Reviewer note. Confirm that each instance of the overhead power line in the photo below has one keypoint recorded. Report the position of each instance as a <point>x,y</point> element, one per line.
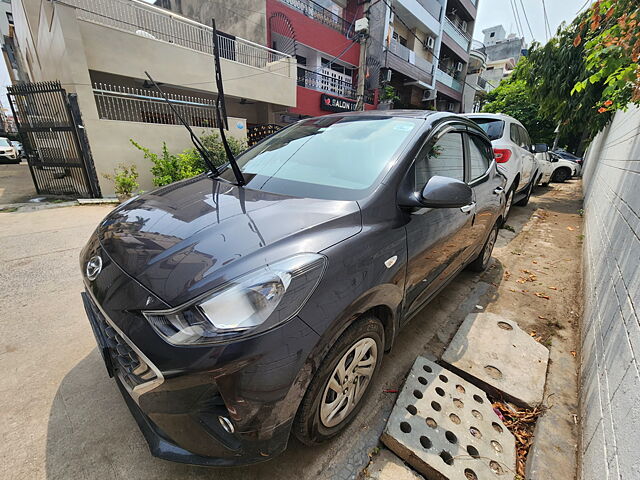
<point>546,21</point>
<point>516,17</point>
<point>524,11</point>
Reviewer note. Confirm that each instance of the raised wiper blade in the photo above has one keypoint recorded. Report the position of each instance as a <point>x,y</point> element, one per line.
<point>221,109</point>
<point>194,139</point>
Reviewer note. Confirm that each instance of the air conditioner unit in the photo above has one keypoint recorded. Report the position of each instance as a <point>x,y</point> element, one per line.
<point>429,95</point>
<point>429,43</point>
<point>459,66</point>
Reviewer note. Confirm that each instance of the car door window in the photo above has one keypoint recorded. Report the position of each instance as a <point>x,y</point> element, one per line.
<point>445,158</point>
<point>479,157</point>
<point>515,134</point>
<point>524,138</point>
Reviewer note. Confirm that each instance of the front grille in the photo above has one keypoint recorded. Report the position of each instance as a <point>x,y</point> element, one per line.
<point>132,369</point>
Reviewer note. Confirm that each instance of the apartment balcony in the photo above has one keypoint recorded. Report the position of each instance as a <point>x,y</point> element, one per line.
<point>421,14</point>
<point>320,14</point>
<point>127,37</point>
<point>460,37</point>
<point>452,87</point>
<point>405,61</point>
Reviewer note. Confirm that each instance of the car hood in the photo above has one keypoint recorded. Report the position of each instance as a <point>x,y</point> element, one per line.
<point>184,239</point>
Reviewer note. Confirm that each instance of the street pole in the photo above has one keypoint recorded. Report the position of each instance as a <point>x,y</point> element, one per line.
<point>362,67</point>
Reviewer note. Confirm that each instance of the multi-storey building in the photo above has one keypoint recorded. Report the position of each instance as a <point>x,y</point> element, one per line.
<point>427,45</point>
<point>318,34</point>
<point>101,50</point>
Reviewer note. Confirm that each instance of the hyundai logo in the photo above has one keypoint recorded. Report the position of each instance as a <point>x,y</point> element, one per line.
<point>94,267</point>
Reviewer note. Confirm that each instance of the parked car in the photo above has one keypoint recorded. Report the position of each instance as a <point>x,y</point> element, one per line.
<point>231,316</point>
<point>19,149</point>
<point>568,156</point>
<point>554,168</point>
<point>7,152</point>
<point>563,155</point>
<point>514,154</point>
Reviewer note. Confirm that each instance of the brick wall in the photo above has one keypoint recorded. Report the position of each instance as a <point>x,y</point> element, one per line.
<point>610,373</point>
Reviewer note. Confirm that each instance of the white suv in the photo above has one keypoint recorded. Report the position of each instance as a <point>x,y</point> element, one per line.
<point>514,154</point>
<point>554,168</point>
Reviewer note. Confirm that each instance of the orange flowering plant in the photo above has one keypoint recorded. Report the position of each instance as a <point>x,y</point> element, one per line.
<point>612,52</point>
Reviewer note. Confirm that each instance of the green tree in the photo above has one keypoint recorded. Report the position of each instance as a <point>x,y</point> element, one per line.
<point>513,97</point>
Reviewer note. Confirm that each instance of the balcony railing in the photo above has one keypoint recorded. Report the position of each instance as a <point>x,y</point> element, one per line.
<point>410,56</point>
<point>460,37</point>
<point>147,21</point>
<point>433,7</point>
<point>325,83</point>
<point>448,80</point>
<point>128,104</point>
<point>313,10</point>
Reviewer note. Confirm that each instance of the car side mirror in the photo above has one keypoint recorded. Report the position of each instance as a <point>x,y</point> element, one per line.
<point>540,148</point>
<point>442,192</point>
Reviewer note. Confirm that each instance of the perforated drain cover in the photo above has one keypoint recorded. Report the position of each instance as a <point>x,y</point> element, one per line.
<point>445,428</point>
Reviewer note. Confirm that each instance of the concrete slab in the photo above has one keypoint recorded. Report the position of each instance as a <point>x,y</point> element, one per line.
<point>445,428</point>
<point>494,350</point>
<point>386,466</point>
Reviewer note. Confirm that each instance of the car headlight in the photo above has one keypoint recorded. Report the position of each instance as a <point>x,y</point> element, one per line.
<point>246,306</point>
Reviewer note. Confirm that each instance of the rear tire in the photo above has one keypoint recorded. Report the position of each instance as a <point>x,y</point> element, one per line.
<point>314,422</point>
<point>561,175</point>
<point>481,262</point>
<point>525,200</point>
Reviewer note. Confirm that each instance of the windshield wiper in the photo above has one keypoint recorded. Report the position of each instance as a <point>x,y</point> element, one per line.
<point>221,109</point>
<point>194,139</point>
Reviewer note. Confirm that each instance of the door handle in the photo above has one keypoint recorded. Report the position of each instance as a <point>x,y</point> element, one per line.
<point>498,190</point>
<point>468,208</point>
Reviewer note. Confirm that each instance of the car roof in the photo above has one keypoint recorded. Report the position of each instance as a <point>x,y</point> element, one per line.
<point>496,116</point>
<point>387,113</point>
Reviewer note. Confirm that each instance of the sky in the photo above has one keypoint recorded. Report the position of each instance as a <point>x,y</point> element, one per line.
<point>500,12</point>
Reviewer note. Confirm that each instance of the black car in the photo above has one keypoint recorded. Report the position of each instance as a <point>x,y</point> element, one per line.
<point>231,316</point>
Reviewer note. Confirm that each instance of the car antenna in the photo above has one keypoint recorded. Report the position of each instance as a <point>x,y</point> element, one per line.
<point>221,109</point>
<point>194,139</point>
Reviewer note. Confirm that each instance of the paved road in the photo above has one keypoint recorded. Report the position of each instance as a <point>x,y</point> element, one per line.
<point>63,418</point>
<point>16,185</point>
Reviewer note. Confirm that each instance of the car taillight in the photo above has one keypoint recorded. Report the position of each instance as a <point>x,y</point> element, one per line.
<point>502,154</point>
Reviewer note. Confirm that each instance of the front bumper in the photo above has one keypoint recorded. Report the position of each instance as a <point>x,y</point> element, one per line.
<point>178,394</point>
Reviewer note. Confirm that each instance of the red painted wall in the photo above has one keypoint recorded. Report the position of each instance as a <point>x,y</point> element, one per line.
<point>315,34</point>
<point>321,37</point>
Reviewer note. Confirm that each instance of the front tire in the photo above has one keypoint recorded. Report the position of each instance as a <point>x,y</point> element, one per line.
<point>481,262</point>
<point>336,393</point>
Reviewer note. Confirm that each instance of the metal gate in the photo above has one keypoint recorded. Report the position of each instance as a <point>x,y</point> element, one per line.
<point>51,130</point>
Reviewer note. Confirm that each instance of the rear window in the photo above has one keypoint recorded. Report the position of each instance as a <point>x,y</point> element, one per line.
<point>493,128</point>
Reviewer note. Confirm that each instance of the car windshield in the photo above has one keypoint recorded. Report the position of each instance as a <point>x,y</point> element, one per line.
<point>492,127</point>
<point>336,157</point>
<point>4,142</point>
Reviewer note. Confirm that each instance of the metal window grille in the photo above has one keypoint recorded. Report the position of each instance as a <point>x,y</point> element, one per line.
<point>319,13</point>
<point>129,104</point>
<point>325,83</point>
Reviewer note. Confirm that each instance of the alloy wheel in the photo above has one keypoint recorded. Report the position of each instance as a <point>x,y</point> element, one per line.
<point>348,382</point>
<point>507,207</point>
<point>488,249</point>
